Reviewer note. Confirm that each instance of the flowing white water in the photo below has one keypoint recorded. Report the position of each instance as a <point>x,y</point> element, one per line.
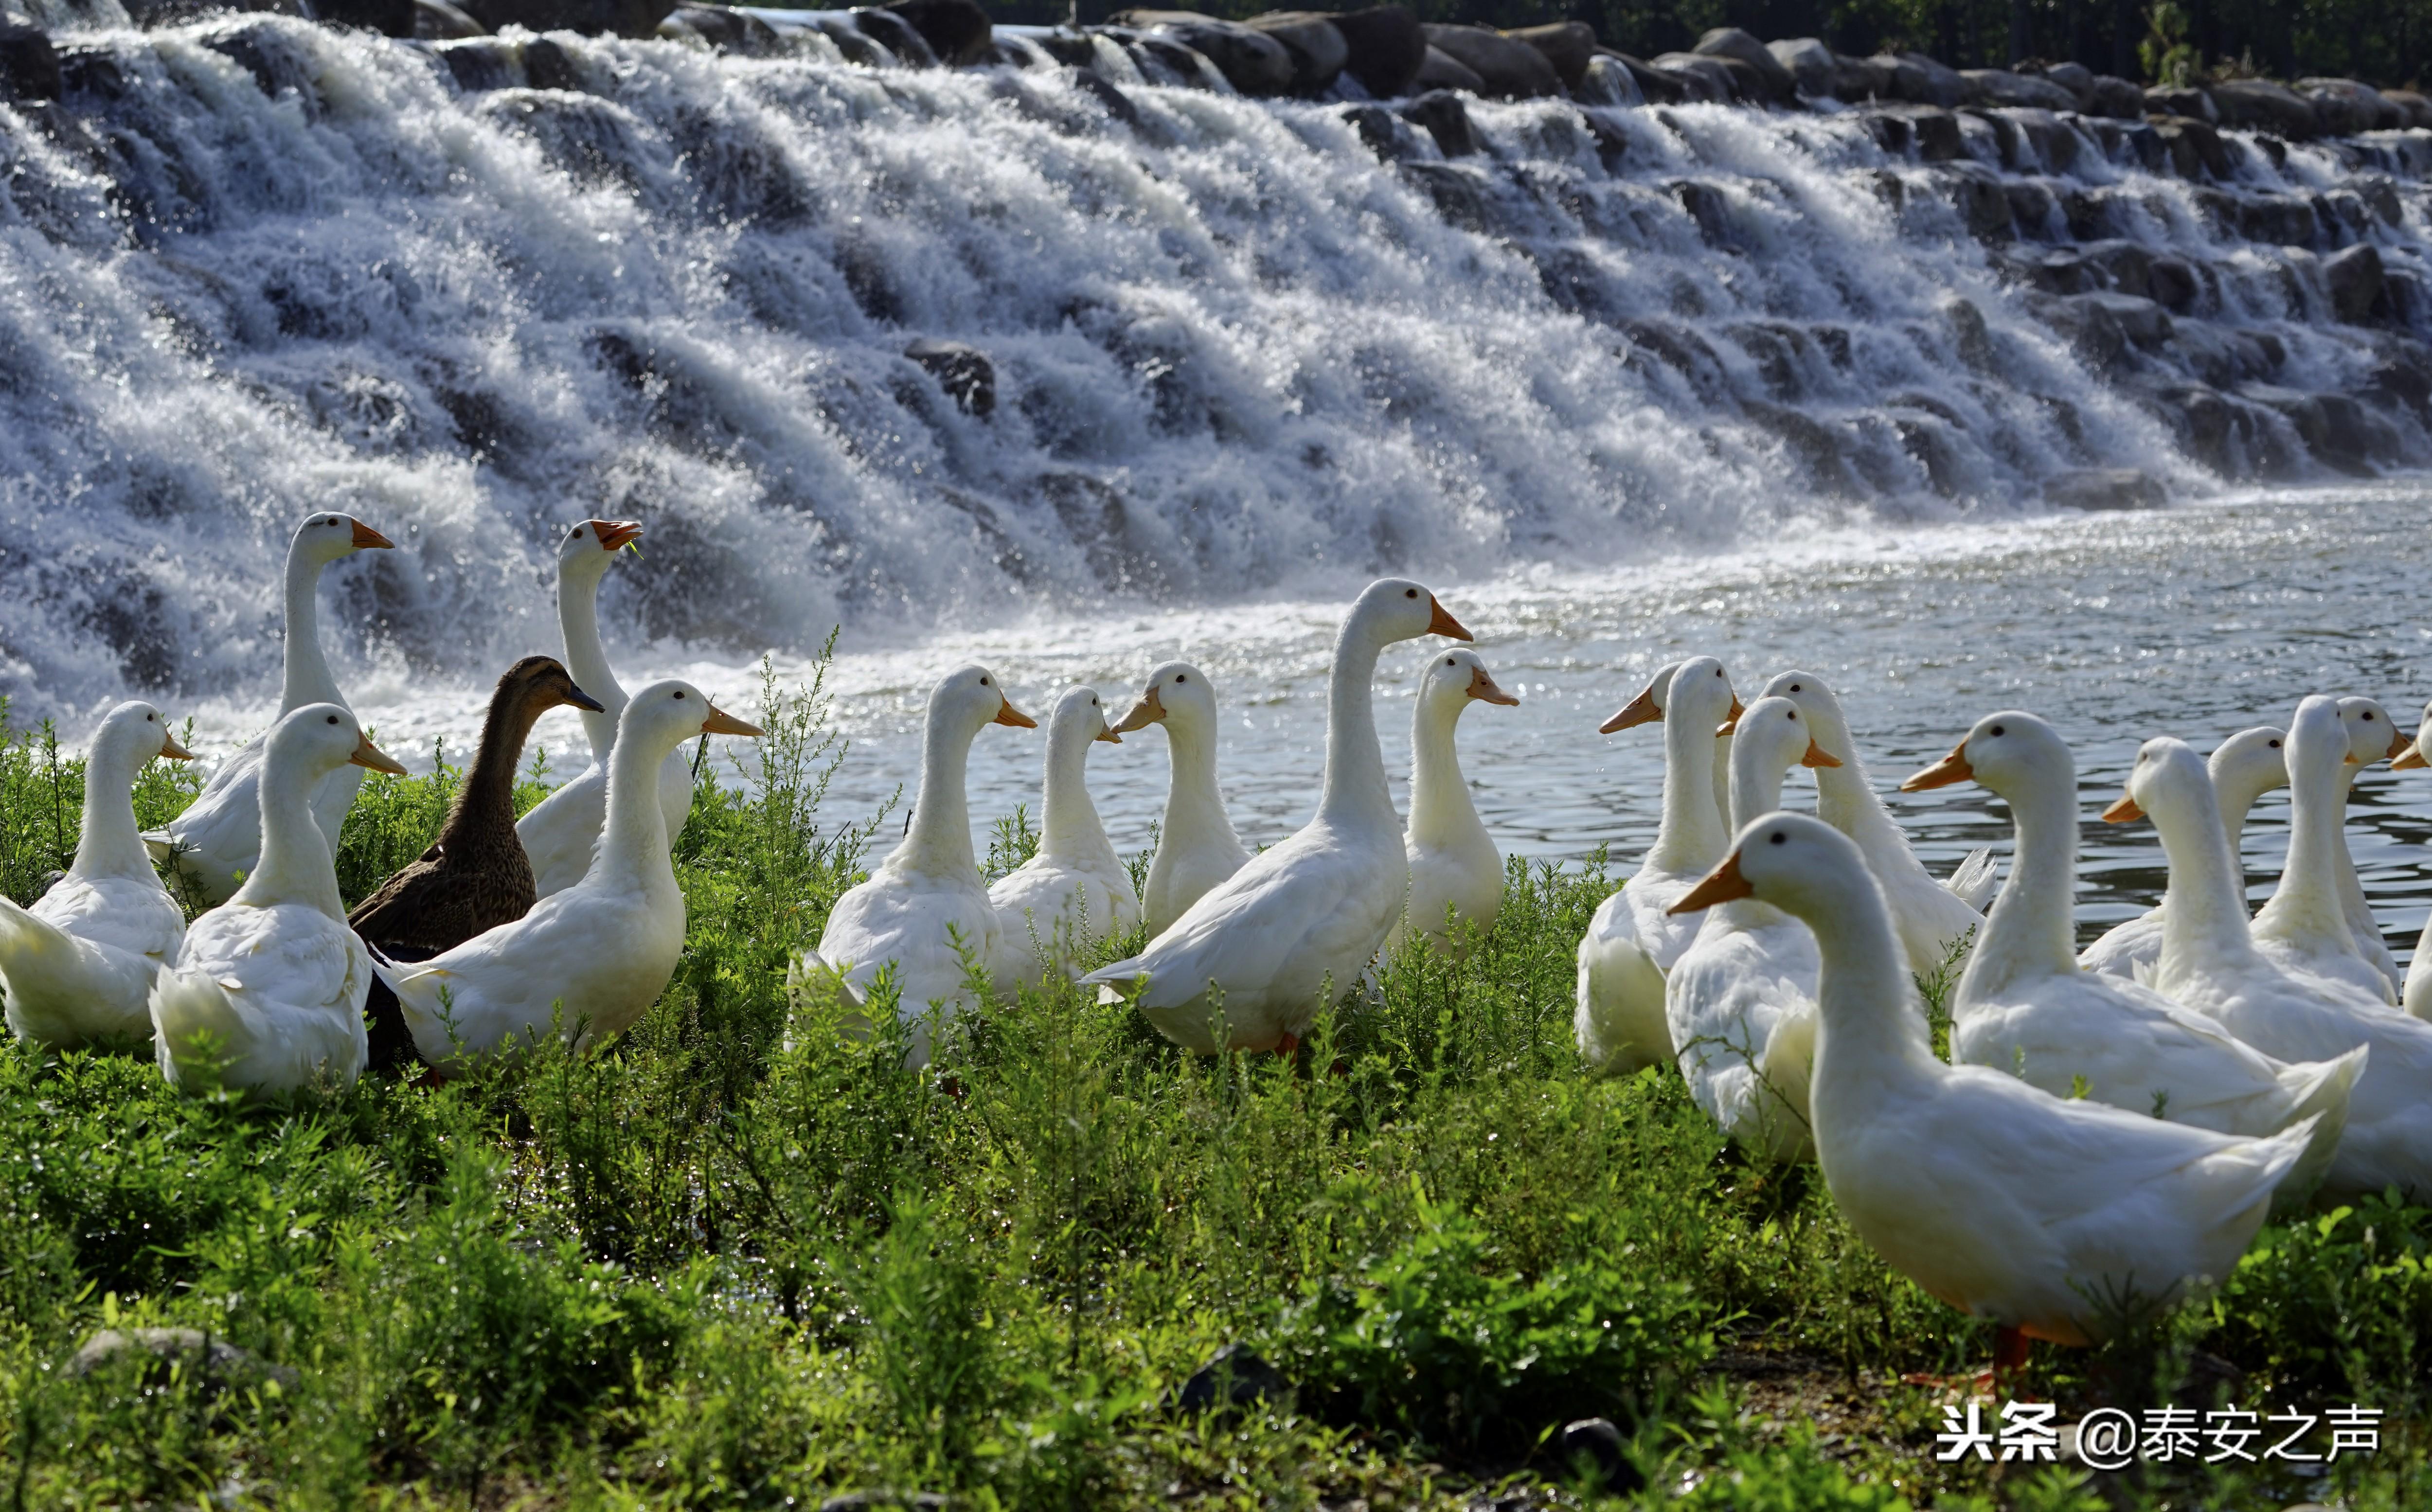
<point>252,267</point>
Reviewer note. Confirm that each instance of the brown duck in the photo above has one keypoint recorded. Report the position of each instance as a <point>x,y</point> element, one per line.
<point>474,876</point>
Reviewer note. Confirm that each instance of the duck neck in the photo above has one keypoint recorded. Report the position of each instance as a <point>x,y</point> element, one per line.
<point>1069,829</point>
<point>1193,804</point>
<point>107,842</point>
<point>1869,1026</point>
<point>2029,933</point>
<point>307,677</point>
<point>1691,837</point>
<point>586,657</point>
<point>2204,928</point>
<point>1756,785</point>
<point>1847,801</point>
<point>633,848</point>
<point>1355,791</point>
<point>939,841</point>
<point>2307,899</point>
<point>484,810</point>
<point>295,866</point>
<point>1442,813</point>
<point>2237,802</point>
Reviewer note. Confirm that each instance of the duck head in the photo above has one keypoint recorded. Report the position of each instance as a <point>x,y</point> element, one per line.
<point>588,547</point>
<point>132,734</point>
<point>1798,864</point>
<point>1455,678</point>
<point>1775,737</point>
<point>540,683</point>
<point>321,737</point>
<point>329,535</point>
<point>670,712</point>
<point>2168,778</point>
<point>970,698</point>
<point>2250,763</point>
<point>2414,755</point>
<point>1672,682</point>
<point>1178,696</point>
<point>2373,735</point>
<point>1397,609</point>
<point>1078,720</point>
<point>1817,701</point>
<point>2005,753</point>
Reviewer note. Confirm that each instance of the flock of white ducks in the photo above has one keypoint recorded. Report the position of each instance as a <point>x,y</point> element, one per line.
<point>2117,1125</point>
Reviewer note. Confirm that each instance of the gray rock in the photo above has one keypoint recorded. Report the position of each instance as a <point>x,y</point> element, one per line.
<point>1568,46</point>
<point>2347,107</point>
<point>1444,118</point>
<point>1251,62</point>
<point>1997,86</point>
<point>2194,104</point>
<point>1232,1379</point>
<point>1596,1442</point>
<point>1861,78</point>
<point>1439,70</point>
<point>2195,149</point>
<point>1507,69</point>
<point>727,30</point>
<point>1318,49</point>
<point>2259,105</point>
<point>1926,81</point>
<point>1383,47</point>
<point>2114,98</point>
<point>1655,86</point>
<point>2416,108</point>
<point>2172,283</point>
<point>438,20</point>
<point>216,1357</point>
<point>963,371</point>
<point>1702,78</point>
<point>1609,81</point>
<point>897,35</point>
<point>29,66</point>
<point>591,18</point>
<point>2075,77</point>
<point>1978,194</point>
<point>1813,69</point>
<point>2105,488</point>
<point>1739,47</point>
<point>2354,280</point>
<point>958,32</point>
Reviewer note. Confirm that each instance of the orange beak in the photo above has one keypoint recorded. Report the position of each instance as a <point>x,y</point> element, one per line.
<point>367,754</point>
<point>1737,709</point>
<point>2124,812</point>
<point>1486,689</point>
<point>2409,759</point>
<point>614,534</point>
<point>2398,746</point>
<point>367,539</point>
<point>1107,734</point>
<point>1008,714</point>
<point>1817,756</point>
<point>1147,711</point>
<point>1719,885</point>
<point>1727,725</point>
<point>1952,768</point>
<point>174,751</point>
<point>1441,623</point>
<point>721,723</point>
<point>1638,711</point>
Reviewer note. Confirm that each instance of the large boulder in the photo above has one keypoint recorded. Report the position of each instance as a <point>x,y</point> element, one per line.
<point>2416,108</point>
<point>1609,81</point>
<point>2345,107</point>
<point>1505,69</point>
<point>1568,46</point>
<point>1999,87</point>
<point>1655,86</point>
<point>2354,280</point>
<point>1921,80</point>
<point>1251,62</point>
<point>29,66</point>
<point>1809,63</point>
<point>2196,105</point>
<point>2259,105</point>
<point>1318,49</point>
<point>390,18</point>
<point>1444,118</point>
<point>957,31</point>
<point>1774,81</point>
<point>2075,77</point>
<point>1383,49</point>
<point>2115,97</point>
<point>2195,148</point>
<point>897,35</point>
<point>1441,70</point>
<point>622,18</point>
<point>1862,78</point>
<point>1703,78</point>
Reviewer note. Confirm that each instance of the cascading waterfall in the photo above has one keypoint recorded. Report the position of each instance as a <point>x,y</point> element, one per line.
<point>251,267</point>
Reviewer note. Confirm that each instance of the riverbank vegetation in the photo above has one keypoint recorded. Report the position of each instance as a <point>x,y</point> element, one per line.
<point>742,1259</point>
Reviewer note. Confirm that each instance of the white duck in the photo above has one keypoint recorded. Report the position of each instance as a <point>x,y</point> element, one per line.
<point>1741,1001</point>
<point>267,992</point>
<point>2304,926</point>
<point>2244,767</point>
<point>1932,916</point>
<point>1076,891</point>
<point>78,964</point>
<point>1196,847</point>
<point>1647,708</point>
<point>562,829</point>
<point>590,958</point>
<point>1456,872</point>
<point>1249,964</point>
<point>2003,1200</point>
<point>2417,996</point>
<point>2373,736</point>
<point>218,839</point>
<point>2023,1005</point>
<point>1619,1019</point>
<point>2209,962</point>
<point>926,906</point>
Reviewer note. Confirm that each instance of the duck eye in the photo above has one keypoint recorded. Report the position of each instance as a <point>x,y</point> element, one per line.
<point>1997,729</point>
<point>1777,837</point>
<point>1409,593</point>
<point>1180,679</point>
<point>1796,688</point>
<point>2275,746</point>
<point>983,682</point>
<point>2367,716</point>
<point>333,719</point>
<point>679,695</point>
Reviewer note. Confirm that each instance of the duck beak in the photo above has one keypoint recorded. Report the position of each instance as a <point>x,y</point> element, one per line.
<point>1731,725</point>
<point>1817,756</point>
<point>1638,711</point>
<point>1008,714</point>
<point>582,700</point>
<point>171,751</point>
<point>1737,709</point>
<point>1952,768</point>
<point>616,534</point>
<point>2399,746</point>
<point>721,723</point>
<point>2412,758</point>
<point>1147,711</point>
<point>367,539</point>
<point>1106,733</point>
<point>2126,811</point>
<point>1719,885</point>
<point>1441,623</point>
<point>1484,687</point>
<point>367,754</point>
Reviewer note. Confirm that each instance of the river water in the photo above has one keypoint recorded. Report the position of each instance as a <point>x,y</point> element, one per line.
<point>2194,621</point>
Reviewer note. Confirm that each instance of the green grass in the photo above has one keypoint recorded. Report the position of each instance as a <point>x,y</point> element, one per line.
<point>739,1258</point>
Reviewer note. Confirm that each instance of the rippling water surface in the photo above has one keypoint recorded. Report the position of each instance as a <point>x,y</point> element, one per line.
<point>2195,622</point>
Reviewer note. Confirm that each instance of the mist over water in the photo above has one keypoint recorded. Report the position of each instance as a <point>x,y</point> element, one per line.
<point>251,267</point>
